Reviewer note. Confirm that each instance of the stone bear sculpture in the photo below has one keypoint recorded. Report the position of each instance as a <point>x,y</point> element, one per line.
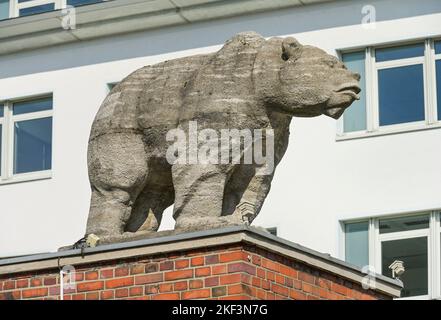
<point>250,83</point>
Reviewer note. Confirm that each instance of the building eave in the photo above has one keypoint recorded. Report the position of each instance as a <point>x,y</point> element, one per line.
<point>124,16</point>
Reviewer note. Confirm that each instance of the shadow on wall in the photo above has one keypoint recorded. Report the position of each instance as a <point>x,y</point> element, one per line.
<point>183,37</point>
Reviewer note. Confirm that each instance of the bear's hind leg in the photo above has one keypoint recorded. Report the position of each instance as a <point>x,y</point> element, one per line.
<point>117,171</point>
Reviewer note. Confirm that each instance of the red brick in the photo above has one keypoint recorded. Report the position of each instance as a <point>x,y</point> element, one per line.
<point>49,281</point>
<point>297,284</point>
<point>104,295</point>
<point>218,291</point>
<point>92,275</point>
<point>121,272</point>
<point>238,289</point>
<point>35,282</point>
<point>261,273</point>
<point>323,283</point>
<point>257,282</point>
<point>242,267</point>
<point>238,297</point>
<point>309,297</point>
<point>202,272</point>
<point>166,296</point>
<point>165,287</point>
<point>90,286</point>
<point>152,267</point>
<point>182,264</point>
<point>107,273</point>
<point>196,284</point>
<point>266,284</point>
<point>197,261</point>
<point>79,276</point>
<point>339,289</point>
<point>92,296</point>
<point>33,293</point>
<point>306,287</point>
<point>271,276</point>
<point>22,283</point>
<point>257,260</point>
<point>231,256</point>
<point>166,265</point>
<point>260,294</point>
<point>53,291</point>
<point>280,290</point>
<point>196,294</point>
<point>212,281</point>
<point>151,289</point>
<point>323,293</point>
<point>176,275</point>
<point>137,269</point>
<point>181,285</point>
<point>212,259</point>
<point>135,291</point>
<point>230,278</point>
<point>149,278</point>
<point>220,269</point>
<point>121,293</point>
<point>287,271</point>
<point>246,278</point>
<point>268,264</point>
<point>280,279</point>
<point>306,277</point>
<point>117,283</point>
<point>297,295</point>
<point>11,295</point>
<point>79,296</point>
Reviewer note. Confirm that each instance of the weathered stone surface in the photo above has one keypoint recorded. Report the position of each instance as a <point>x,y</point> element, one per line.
<point>251,83</point>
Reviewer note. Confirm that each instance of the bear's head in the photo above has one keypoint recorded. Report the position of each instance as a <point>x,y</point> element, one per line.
<point>304,81</point>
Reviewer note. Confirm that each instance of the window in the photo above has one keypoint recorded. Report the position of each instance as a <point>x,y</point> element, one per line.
<point>29,7</point>
<point>397,81</point>
<point>413,239</point>
<point>26,139</point>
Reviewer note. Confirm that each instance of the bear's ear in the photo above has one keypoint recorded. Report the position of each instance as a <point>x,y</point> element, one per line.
<point>291,49</point>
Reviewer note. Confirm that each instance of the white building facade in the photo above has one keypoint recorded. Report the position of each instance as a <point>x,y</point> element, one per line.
<point>365,188</point>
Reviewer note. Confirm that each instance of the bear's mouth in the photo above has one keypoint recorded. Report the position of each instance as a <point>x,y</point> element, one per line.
<point>350,89</point>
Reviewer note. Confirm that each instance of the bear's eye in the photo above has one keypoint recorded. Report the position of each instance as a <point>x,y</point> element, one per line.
<point>330,63</point>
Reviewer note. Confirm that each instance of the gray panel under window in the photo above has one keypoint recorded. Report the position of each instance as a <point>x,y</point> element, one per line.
<point>401,52</point>
<point>413,252</point>
<point>404,224</point>
<point>32,145</point>
<point>32,106</point>
<point>401,94</point>
<point>37,9</point>
<point>4,9</point>
<point>357,243</point>
<point>354,118</point>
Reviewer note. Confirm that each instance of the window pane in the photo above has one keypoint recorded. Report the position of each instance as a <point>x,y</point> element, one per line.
<point>438,47</point>
<point>4,9</point>
<point>404,224</point>
<point>401,94</point>
<point>354,118</point>
<point>33,145</point>
<point>413,252</point>
<point>81,2</point>
<point>401,52</point>
<point>1,110</point>
<point>37,9</point>
<point>438,86</point>
<point>32,106</point>
<point>357,243</point>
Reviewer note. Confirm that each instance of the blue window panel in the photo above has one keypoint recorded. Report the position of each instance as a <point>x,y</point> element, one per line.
<point>402,52</point>
<point>2,111</point>
<point>354,118</point>
<point>4,9</point>
<point>357,243</point>
<point>33,145</point>
<point>401,94</point>
<point>37,9</point>
<point>438,86</point>
<point>438,47</point>
<point>82,2</point>
<point>32,106</point>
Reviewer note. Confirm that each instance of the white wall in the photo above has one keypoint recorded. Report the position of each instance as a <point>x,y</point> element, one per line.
<point>319,182</point>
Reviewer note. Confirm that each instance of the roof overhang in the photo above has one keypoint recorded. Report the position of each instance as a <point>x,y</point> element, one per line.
<point>124,16</point>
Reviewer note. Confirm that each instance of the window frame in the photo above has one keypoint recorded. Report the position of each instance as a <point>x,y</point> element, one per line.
<point>373,127</point>
<point>15,6</point>
<point>7,155</point>
<point>433,234</point>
